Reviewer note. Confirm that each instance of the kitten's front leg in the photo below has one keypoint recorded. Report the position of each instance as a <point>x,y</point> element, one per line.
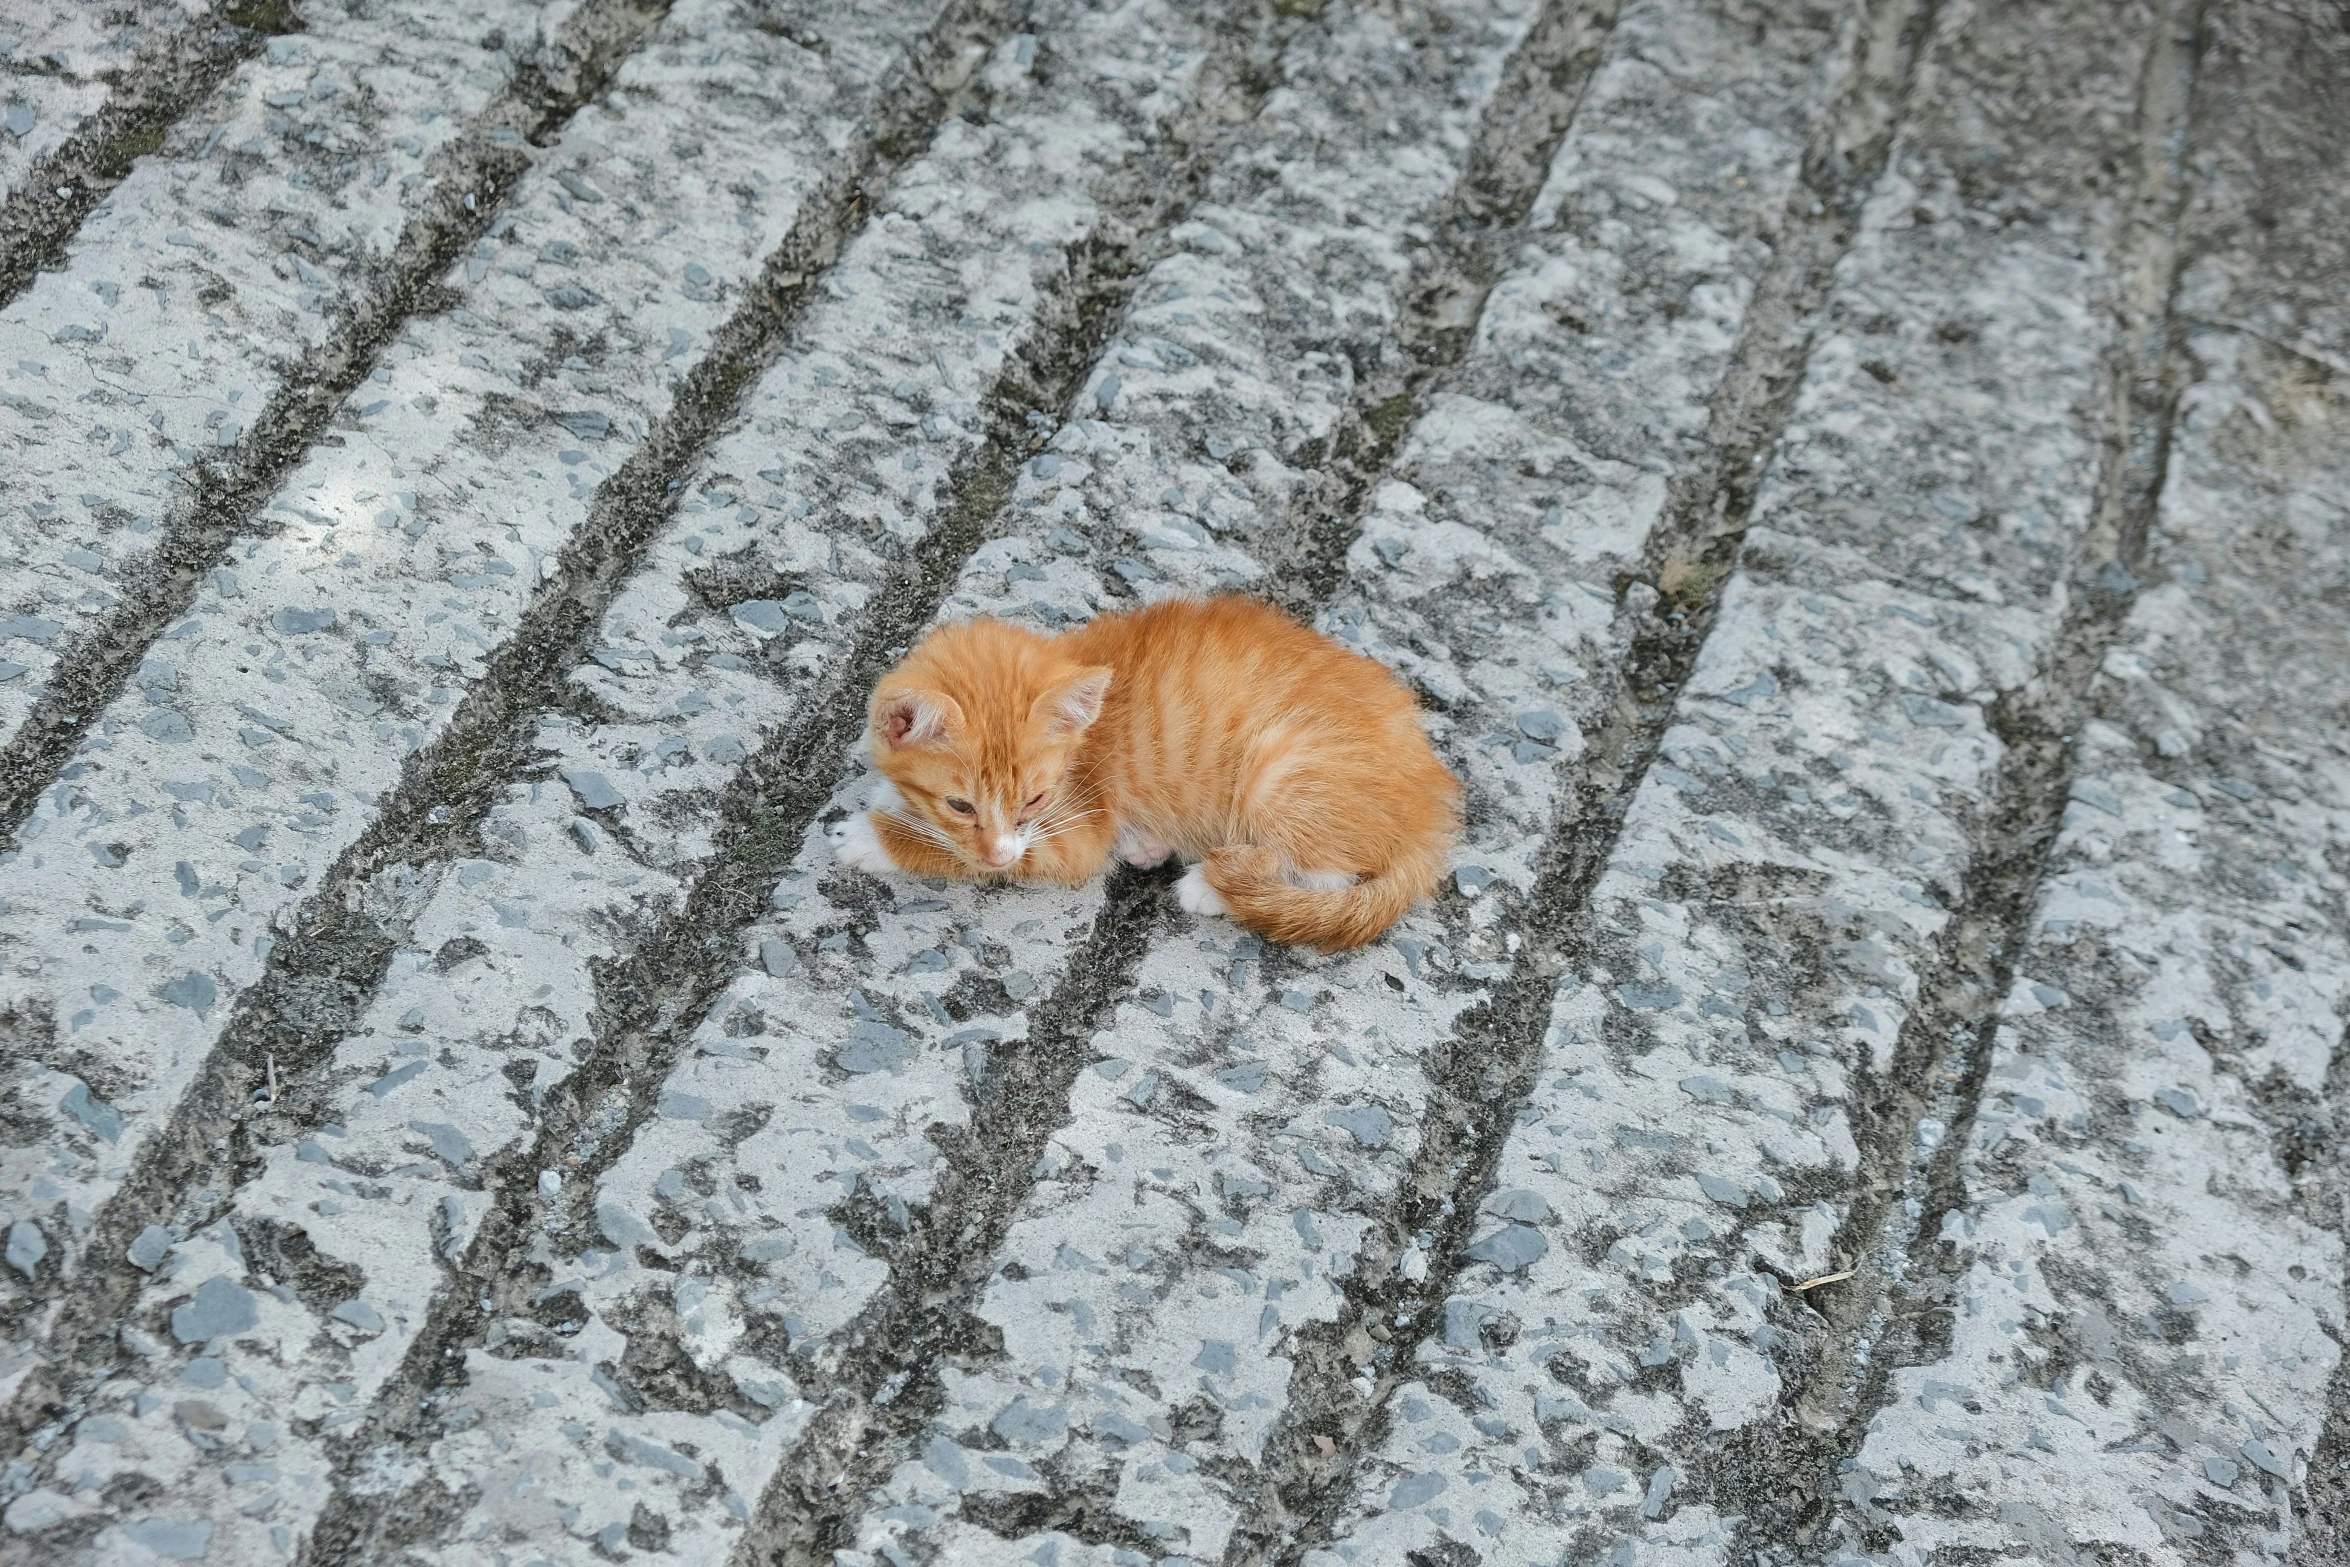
<point>857,845</point>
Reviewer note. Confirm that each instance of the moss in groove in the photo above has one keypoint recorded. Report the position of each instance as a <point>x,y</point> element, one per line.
<point>41,216</point>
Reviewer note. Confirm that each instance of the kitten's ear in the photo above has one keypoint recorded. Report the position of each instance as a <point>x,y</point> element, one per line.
<point>1070,708</point>
<point>913,716</point>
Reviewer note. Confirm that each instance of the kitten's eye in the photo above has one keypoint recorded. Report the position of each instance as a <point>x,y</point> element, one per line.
<point>959,807</point>
<point>1034,802</point>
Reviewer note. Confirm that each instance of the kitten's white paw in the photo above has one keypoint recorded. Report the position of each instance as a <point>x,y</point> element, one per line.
<point>1196,896</point>
<point>856,845</point>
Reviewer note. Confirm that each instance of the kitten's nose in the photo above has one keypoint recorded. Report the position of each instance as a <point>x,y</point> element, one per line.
<point>1002,852</point>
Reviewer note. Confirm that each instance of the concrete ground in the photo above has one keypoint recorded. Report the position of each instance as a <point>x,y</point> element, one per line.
<point>1858,486</point>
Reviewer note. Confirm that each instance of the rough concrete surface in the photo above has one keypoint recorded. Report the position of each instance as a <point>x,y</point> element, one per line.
<point>1857,486</point>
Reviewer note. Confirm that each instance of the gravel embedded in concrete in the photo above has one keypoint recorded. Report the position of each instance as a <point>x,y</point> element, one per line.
<point>1856,488</point>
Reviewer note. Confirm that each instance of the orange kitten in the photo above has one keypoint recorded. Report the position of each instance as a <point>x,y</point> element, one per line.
<point>1219,730</point>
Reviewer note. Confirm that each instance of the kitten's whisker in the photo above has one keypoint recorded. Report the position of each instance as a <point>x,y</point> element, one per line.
<point>1055,830</point>
<point>1063,814</point>
<point>1056,821</point>
<point>923,830</point>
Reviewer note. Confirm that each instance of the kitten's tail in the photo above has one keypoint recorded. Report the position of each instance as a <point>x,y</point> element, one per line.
<point>1259,896</point>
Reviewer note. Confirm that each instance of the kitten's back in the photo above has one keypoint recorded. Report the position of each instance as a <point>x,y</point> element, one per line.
<point>1229,725</point>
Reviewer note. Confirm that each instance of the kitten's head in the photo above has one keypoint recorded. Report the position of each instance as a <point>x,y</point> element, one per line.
<point>977,728</point>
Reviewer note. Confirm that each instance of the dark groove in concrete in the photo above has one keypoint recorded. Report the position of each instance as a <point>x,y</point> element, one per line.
<point>471,177</point>
<point>1541,86</point>
<point>2327,1505</point>
<point>1942,1059</point>
<point>329,963</point>
<point>1482,1074</point>
<point>888,1387</point>
<point>886,1384</point>
<point>650,1000</point>
<point>166,80</point>
<point>938,1271</point>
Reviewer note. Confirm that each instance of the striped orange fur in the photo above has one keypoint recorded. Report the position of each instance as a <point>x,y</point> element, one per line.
<point>1294,772</point>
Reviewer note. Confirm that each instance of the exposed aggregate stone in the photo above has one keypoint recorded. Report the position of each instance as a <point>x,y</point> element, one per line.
<point>622,1177</point>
